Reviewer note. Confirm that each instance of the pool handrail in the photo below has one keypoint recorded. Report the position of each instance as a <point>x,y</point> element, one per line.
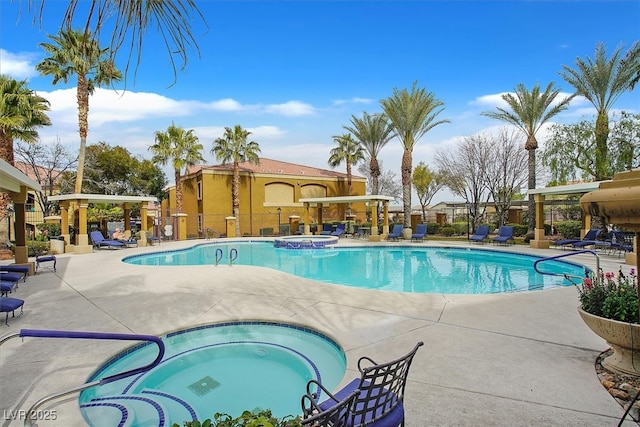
<point>219,255</point>
<point>565,275</point>
<point>233,255</point>
<point>43,333</point>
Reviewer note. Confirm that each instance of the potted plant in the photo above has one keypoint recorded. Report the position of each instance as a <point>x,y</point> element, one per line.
<point>609,307</point>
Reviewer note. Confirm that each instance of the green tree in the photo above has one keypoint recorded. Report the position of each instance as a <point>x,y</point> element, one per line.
<point>427,183</point>
<point>601,81</point>
<point>350,152</point>
<point>79,53</point>
<point>234,147</point>
<point>570,151</point>
<point>412,115</point>
<point>180,148</point>
<point>529,111</point>
<point>130,21</point>
<point>22,112</point>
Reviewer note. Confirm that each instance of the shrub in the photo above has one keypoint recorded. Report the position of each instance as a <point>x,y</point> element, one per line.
<point>52,229</point>
<point>247,419</point>
<point>433,228</point>
<point>447,231</point>
<point>610,295</point>
<point>460,227</point>
<point>37,247</point>
<point>569,229</point>
<point>519,230</point>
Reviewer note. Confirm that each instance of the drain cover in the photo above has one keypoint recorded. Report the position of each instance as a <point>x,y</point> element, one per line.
<point>204,386</point>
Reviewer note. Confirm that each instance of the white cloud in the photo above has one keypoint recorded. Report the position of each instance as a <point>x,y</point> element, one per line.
<point>291,108</point>
<point>17,65</point>
<point>354,100</point>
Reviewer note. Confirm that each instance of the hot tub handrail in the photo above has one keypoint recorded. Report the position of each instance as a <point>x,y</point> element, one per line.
<point>43,333</point>
<point>233,255</point>
<point>566,276</point>
<point>219,255</point>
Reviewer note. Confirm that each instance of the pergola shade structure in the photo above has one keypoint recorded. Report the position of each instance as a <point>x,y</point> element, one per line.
<point>320,202</point>
<point>17,185</point>
<point>82,202</point>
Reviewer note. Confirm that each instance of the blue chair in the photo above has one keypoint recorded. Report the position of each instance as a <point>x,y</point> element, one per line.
<point>481,234</point>
<point>327,229</point>
<point>380,401</point>
<point>505,235</point>
<point>19,269</point>
<point>339,414</point>
<point>396,232</point>
<point>340,229</point>
<point>99,241</point>
<point>10,305</point>
<point>589,236</point>
<point>421,232</point>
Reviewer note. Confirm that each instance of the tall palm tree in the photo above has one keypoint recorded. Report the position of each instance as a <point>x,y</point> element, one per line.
<point>79,53</point>
<point>372,132</point>
<point>21,113</point>
<point>528,111</point>
<point>412,115</point>
<point>602,80</point>
<point>180,148</point>
<point>233,147</point>
<point>350,152</point>
<point>130,20</point>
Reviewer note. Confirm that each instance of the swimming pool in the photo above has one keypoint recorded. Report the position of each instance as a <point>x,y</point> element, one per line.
<point>399,268</point>
<point>228,367</point>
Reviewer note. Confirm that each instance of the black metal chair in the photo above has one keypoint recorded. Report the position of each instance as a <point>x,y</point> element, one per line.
<point>337,415</point>
<point>380,400</point>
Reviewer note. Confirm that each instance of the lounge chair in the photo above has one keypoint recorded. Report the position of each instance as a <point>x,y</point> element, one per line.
<point>505,235</point>
<point>327,229</point>
<point>10,305</point>
<point>128,240</point>
<point>7,287</point>
<point>19,269</point>
<point>151,239</point>
<point>396,232</point>
<point>11,277</point>
<point>300,231</point>
<point>591,235</point>
<point>481,234</point>
<point>421,232</point>
<point>339,414</point>
<point>100,242</point>
<point>340,228</point>
<point>46,258</point>
<point>381,397</point>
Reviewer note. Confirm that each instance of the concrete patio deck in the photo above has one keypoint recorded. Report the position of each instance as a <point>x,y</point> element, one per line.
<point>519,359</point>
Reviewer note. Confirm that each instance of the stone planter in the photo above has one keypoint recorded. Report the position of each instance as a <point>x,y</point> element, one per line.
<point>624,339</point>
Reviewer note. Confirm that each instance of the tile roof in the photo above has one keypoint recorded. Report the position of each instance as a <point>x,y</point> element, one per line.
<point>276,167</point>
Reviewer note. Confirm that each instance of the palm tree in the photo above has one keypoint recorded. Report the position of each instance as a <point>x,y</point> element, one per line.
<point>130,19</point>
<point>21,113</point>
<point>182,149</point>
<point>372,132</point>
<point>79,53</point>
<point>348,151</point>
<point>602,81</point>
<point>233,147</point>
<point>412,115</point>
<point>528,111</point>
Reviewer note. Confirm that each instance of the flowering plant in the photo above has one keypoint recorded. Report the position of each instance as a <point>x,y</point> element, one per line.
<point>610,295</point>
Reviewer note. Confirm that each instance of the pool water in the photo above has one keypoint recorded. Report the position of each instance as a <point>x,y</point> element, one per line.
<point>397,268</point>
<point>227,368</point>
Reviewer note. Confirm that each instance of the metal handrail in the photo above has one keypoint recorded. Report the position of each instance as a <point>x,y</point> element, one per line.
<point>219,256</point>
<point>565,275</point>
<point>40,333</point>
<point>233,255</point>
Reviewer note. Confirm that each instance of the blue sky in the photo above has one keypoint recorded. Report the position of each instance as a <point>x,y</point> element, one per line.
<point>294,72</point>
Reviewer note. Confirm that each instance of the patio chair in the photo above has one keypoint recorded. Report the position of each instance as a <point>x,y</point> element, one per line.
<point>381,398</point>
<point>327,229</point>
<point>18,269</point>
<point>590,235</point>
<point>338,415</point>
<point>340,229</point>
<point>128,240</point>
<point>10,305</point>
<point>481,234</point>
<point>6,287</point>
<point>421,232</point>
<point>505,235</point>
<point>12,277</point>
<point>396,232</point>
<point>99,241</point>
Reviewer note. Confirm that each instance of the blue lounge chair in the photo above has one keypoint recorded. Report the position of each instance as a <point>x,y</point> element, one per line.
<point>481,234</point>
<point>396,233</point>
<point>20,269</point>
<point>10,305</point>
<point>591,235</point>
<point>505,235</point>
<point>11,277</point>
<point>421,232</point>
<point>100,242</point>
<point>327,229</point>
<point>7,287</point>
<point>340,228</point>
<point>380,401</point>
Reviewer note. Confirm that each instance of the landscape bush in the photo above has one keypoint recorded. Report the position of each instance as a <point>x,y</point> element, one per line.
<point>569,229</point>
